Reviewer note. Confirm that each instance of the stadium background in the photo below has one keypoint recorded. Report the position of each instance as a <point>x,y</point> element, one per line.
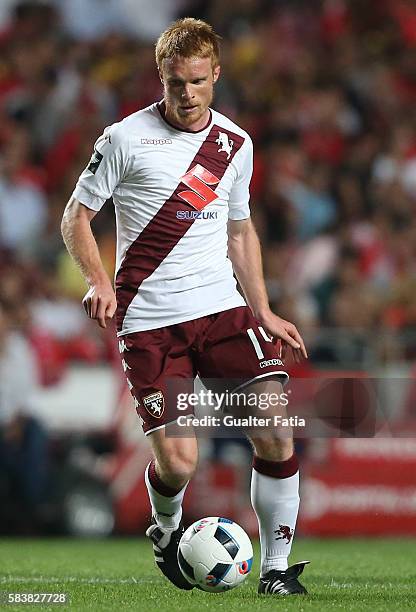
<point>327,89</point>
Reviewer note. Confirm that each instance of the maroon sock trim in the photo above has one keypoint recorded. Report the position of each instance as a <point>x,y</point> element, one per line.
<point>158,484</point>
<point>276,469</point>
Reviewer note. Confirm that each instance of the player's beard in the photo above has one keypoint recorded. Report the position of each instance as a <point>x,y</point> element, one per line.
<point>192,117</point>
<point>184,119</point>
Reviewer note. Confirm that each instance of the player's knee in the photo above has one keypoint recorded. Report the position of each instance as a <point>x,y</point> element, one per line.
<point>273,449</point>
<point>178,467</point>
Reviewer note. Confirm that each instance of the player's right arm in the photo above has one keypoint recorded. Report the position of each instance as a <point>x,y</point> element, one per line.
<point>104,172</point>
<point>99,301</point>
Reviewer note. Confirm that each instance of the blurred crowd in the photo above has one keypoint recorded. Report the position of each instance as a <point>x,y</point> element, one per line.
<point>327,90</point>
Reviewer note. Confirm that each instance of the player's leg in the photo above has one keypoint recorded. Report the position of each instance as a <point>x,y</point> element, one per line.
<point>275,497</point>
<point>236,347</point>
<point>150,359</point>
<point>168,474</point>
<point>167,477</point>
<point>274,482</point>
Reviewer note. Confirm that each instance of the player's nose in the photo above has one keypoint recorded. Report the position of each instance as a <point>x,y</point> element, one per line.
<point>187,93</point>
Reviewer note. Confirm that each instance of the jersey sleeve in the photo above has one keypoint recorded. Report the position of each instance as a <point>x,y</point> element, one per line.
<point>105,169</point>
<point>240,193</point>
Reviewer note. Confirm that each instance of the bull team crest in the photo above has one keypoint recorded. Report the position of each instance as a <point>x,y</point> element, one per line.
<point>225,143</point>
<point>155,404</point>
<point>284,533</point>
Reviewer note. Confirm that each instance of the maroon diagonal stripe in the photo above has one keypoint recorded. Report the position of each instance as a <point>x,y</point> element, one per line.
<point>164,231</point>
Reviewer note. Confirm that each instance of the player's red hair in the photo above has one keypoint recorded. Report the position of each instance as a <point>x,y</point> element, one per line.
<point>188,37</point>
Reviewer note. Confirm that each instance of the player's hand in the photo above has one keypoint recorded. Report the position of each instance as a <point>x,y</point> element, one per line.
<point>281,329</point>
<point>100,303</point>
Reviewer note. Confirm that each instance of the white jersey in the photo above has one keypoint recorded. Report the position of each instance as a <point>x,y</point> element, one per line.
<point>173,193</point>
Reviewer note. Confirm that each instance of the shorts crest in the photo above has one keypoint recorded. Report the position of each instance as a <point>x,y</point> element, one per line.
<point>154,404</point>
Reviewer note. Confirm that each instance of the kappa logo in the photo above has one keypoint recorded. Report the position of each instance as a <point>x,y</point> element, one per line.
<point>125,365</point>
<point>156,141</point>
<point>271,362</point>
<point>226,145</point>
<point>122,346</point>
<point>154,404</point>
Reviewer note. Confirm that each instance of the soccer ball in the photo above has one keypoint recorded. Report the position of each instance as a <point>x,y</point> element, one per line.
<point>215,554</point>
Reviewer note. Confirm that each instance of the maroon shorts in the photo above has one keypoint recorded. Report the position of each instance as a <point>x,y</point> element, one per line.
<point>230,345</point>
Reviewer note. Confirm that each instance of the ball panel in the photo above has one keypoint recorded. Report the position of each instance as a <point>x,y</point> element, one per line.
<point>210,550</point>
<point>215,554</point>
<point>244,567</point>
<point>227,540</point>
<point>207,533</point>
<point>245,550</point>
<point>185,567</point>
<point>232,577</point>
<point>220,578</point>
<point>201,570</point>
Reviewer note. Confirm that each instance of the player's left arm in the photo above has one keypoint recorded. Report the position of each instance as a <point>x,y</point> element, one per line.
<point>245,254</point>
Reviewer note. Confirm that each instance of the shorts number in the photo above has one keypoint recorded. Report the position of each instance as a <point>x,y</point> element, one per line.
<point>256,343</point>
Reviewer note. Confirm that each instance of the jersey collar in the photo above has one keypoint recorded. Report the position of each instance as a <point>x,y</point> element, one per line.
<point>161,107</point>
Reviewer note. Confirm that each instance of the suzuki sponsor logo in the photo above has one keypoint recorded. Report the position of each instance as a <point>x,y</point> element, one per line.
<point>200,194</point>
<point>192,215</point>
<point>271,362</point>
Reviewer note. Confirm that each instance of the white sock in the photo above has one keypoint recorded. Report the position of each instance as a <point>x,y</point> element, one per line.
<point>276,503</point>
<point>167,511</point>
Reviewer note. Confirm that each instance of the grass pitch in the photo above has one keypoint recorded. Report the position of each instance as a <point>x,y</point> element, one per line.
<point>119,574</point>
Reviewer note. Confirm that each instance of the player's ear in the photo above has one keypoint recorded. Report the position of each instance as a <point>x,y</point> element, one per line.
<point>216,73</point>
<point>160,72</point>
